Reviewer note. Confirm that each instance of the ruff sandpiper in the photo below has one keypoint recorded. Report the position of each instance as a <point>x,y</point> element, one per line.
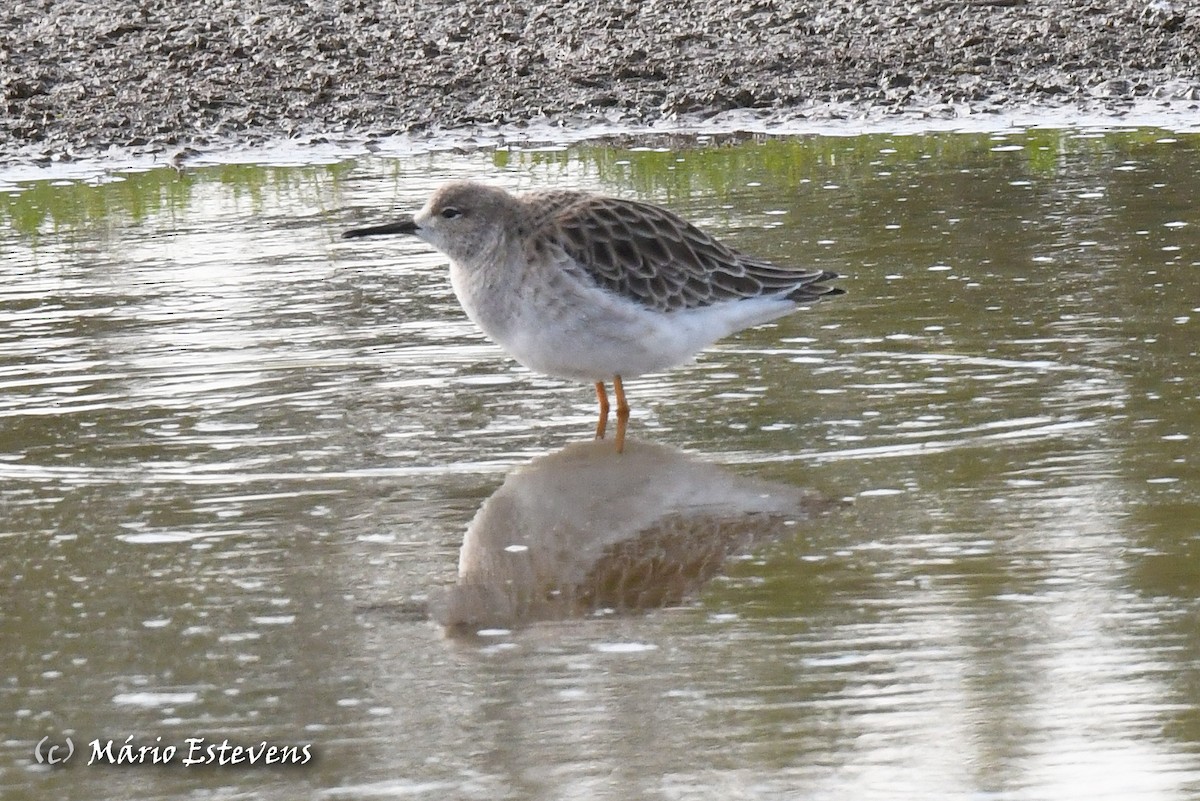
<point>594,288</point>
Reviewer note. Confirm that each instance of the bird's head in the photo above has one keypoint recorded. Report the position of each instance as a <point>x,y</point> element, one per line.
<point>462,219</point>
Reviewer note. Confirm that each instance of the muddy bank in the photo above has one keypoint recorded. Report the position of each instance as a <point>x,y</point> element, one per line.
<point>77,77</point>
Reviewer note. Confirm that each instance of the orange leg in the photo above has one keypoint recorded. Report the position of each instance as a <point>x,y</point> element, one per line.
<point>622,412</point>
<point>602,398</point>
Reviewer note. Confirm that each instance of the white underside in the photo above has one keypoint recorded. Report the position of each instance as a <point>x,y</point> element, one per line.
<point>562,329</point>
<point>636,342</point>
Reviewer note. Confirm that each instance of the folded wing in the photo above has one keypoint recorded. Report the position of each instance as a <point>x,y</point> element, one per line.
<point>660,260</point>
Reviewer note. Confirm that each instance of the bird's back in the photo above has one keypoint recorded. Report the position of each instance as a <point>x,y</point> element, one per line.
<point>653,257</point>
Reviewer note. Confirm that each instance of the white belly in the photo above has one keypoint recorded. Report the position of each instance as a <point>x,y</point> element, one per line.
<point>560,328</point>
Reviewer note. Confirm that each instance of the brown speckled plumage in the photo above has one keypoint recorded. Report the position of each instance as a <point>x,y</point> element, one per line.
<point>648,254</point>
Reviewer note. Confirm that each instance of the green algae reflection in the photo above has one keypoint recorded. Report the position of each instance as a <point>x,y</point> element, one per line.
<point>42,207</point>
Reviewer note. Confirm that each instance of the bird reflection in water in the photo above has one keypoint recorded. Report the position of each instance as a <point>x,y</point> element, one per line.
<point>584,530</point>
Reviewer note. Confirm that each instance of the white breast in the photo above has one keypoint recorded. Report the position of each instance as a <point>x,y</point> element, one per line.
<point>554,323</point>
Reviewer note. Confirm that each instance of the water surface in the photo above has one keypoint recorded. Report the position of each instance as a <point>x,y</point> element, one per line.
<point>239,457</point>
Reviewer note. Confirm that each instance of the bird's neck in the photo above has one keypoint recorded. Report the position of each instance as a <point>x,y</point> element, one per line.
<point>486,284</point>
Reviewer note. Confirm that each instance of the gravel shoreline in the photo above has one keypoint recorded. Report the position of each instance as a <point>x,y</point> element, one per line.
<point>79,76</point>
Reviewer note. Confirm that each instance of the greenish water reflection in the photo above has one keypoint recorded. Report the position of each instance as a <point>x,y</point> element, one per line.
<point>672,167</point>
<point>52,206</point>
<point>238,454</point>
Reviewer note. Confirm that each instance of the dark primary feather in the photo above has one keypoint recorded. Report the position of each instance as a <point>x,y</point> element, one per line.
<point>660,260</point>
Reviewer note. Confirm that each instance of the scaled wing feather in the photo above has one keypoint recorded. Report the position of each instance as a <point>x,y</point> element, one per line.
<point>653,257</point>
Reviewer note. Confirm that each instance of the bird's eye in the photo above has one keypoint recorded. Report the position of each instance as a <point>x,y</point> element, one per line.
<point>449,213</point>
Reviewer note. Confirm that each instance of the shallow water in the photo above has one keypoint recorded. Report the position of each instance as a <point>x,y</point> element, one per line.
<point>239,457</point>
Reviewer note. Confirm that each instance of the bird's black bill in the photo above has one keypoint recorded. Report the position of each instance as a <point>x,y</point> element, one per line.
<point>405,225</point>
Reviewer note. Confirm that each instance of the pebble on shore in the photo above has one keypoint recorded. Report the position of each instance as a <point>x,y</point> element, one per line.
<point>77,77</point>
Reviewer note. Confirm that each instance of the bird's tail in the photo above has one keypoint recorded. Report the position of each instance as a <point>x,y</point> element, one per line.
<point>816,288</point>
